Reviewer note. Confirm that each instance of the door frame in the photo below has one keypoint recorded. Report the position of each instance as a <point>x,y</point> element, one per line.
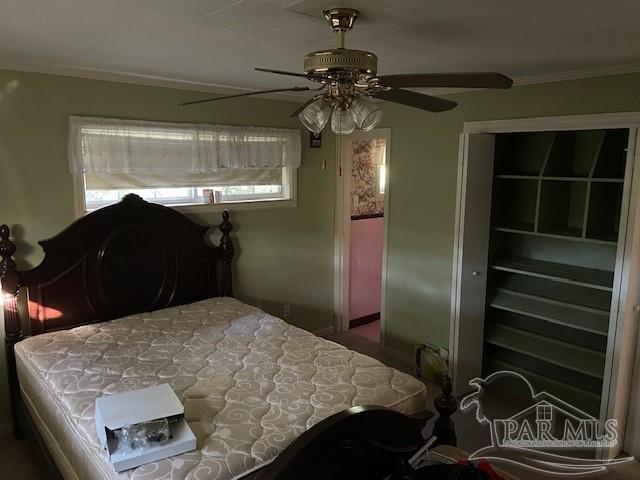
<point>462,351</point>
<point>620,328</point>
<point>342,228</point>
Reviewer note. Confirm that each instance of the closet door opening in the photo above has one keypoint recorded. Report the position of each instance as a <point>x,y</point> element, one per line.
<point>542,282</point>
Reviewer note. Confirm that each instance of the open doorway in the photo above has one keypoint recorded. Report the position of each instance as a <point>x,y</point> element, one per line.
<point>361,232</point>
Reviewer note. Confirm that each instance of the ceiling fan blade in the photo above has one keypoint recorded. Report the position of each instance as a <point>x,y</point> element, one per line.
<point>460,80</point>
<point>416,100</point>
<point>304,105</point>
<point>282,72</point>
<point>292,89</point>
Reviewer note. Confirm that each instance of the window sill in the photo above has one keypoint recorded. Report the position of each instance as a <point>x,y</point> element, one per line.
<point>219,207</point>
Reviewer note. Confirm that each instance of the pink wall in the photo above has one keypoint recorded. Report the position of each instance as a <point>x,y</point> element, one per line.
<point>365,267</point>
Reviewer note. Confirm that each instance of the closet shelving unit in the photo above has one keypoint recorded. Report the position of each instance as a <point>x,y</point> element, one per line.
<point>555,219</point>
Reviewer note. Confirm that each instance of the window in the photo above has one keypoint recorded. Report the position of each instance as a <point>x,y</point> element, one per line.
<point>181,164</point>
<point>253,186</point>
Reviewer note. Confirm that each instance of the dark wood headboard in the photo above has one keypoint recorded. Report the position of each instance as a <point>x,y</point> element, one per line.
<point>127,258</point>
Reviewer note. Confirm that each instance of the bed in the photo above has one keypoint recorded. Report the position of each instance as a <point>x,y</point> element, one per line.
<point>132,296</point>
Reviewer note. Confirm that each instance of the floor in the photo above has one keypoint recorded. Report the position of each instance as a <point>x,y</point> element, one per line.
<point>471,434</point>
<point>355,340</point>
<point>15,460</point>
<point>370,331</point>
<point>16,463</point>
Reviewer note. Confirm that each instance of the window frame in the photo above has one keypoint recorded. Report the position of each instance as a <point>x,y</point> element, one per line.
<point>289,200</point>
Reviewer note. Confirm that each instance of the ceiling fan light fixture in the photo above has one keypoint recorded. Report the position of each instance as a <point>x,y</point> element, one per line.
<point>366,114</point>
<point>316,115</point>
<point>342,122</point>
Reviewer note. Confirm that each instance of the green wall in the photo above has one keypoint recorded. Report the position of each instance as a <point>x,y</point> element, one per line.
<point>283,255</point>
<point>423,175</point>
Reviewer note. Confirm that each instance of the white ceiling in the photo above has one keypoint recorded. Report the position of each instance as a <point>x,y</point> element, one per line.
<point>218,42</point>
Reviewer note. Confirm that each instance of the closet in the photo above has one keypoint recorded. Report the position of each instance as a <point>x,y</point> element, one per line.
<point>546,271</point>
<point>555,214</point>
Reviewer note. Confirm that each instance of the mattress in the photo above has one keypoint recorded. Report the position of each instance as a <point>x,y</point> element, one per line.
<point>250,384</point>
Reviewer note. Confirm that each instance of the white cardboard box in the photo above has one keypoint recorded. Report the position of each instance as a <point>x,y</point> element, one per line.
<point>115,411</point>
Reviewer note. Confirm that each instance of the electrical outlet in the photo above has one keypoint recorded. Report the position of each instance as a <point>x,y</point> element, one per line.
<point>286,310</point>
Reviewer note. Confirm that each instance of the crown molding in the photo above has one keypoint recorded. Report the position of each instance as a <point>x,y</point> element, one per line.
<point>548,78</point>
<point>141,79</point>
<point>221,89</point>
<point>578,74</point>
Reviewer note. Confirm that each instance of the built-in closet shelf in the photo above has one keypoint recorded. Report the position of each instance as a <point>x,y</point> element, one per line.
<point>552,311</point>
<point>562,231</point>
<point>562,208</point>
<point>607,180</point>
<point>585,277</point>
<point>561,179</point>
<point>555,352</point>
<point>612,155</point>
<point>574,153</point>
<point>582,399</point>
<point>518,229</point>
<point>605,198</point>
<point>522,153</point>
<point>556,198</point>
<point>515,202</point>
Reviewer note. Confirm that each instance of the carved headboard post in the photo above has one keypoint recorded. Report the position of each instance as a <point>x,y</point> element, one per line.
<point>12,323</point>
<point>226,246</point>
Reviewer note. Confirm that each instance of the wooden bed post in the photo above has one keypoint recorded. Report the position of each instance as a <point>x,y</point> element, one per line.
<point>446,405</point>
<point>226,246</point>
<point>12,323</point>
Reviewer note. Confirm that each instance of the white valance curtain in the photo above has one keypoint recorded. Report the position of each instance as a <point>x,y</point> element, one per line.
<point>115,146</point>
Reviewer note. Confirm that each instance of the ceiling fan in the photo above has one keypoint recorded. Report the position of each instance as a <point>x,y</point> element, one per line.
<point>349,77</point>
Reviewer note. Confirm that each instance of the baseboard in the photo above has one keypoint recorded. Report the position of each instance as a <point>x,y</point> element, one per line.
<point>6,428</point>
<point>357,322</point>
<point>323,332</point>
<point>404,358</point>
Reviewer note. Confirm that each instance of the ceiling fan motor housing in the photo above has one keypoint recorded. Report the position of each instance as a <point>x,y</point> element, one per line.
<point>341,60</point>
<point>340,63</point>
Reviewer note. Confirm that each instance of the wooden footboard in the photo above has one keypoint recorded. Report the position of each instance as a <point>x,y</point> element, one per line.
<point>363,443</point>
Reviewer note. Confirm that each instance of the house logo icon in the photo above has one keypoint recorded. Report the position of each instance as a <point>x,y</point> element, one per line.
<point>538,431</point>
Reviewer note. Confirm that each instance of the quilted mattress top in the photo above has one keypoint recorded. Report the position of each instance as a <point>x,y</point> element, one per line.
<point>250,382</point>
